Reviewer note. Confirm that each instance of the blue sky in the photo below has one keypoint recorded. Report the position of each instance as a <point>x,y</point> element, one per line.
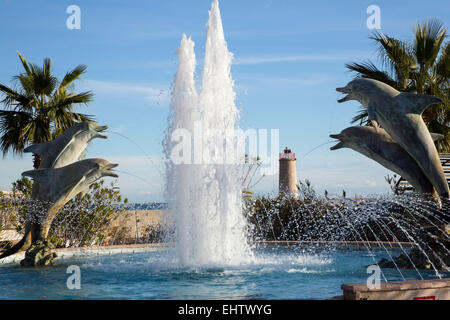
<point>290,56</point>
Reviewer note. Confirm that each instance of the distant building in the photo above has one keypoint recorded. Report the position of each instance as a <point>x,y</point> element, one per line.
<point>7,193</point>
<point>9,235</point>
<point>288,173</point>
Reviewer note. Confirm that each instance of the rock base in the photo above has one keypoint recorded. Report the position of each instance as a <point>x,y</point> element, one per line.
<point>440,259</point>
<point>39,253</point>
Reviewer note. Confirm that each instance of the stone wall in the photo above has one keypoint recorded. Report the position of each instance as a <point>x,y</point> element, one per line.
<point>138,224</point>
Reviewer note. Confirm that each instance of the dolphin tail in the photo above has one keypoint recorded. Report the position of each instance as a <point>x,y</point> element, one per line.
<point>40,175</point>
<point>39,148</point>
<point>22,245</point>
<point>420,102</point>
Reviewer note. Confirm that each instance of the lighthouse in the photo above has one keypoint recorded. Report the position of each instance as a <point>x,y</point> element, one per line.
<point>288,174</point>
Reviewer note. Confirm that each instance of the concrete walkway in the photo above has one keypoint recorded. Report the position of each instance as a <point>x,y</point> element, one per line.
<point>67,253</point>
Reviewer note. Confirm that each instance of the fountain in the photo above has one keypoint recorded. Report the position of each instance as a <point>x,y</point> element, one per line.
<point>206,197</point>
<point>221,245</point>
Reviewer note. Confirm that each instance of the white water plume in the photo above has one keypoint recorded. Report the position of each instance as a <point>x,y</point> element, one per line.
<point>206,199</point>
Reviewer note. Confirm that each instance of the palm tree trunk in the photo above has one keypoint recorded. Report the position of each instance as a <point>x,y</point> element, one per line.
<point>36,161</point>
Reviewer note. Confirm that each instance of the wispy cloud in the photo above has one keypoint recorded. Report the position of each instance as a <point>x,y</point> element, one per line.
<point>304,80</point>
<point>338,56</point>
<point>152,93</point>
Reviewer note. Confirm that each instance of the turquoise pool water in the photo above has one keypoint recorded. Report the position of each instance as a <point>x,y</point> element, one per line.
<point>277,273</point>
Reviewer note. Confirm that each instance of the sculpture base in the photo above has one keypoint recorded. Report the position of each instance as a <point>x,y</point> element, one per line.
<point>437,289</point>
<point>439,257</point>
<point>39,253</point>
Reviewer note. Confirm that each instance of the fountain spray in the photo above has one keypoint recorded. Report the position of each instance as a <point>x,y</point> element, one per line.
<point>206,197</point>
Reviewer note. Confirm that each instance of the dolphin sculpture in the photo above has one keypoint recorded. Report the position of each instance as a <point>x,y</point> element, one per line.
<point>58,186</point>
<point>52,189</point>
<point>58,180</point>
<point>400,115</point>
<point>379,146</point>
<point>67,147</point>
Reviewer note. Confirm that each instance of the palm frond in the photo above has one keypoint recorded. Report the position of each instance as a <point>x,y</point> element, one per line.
<point>26,82</point>
<point>65,100</point>
<point>397,56</point>
<point>14,99</point>
<point>429,37</point>
<point>24,63</point>
<point>442,68</point>
<point>60,109</point>
<point>369,70</point>
<point>71,77</point>
<point>361,117</point>
<point>37,130</point>
<point>41,107</point>
<point>44,82</point>
<point>47,67</point>
<point>11,129</point>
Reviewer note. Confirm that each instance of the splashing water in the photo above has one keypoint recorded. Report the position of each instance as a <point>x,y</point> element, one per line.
<point>206,198</point>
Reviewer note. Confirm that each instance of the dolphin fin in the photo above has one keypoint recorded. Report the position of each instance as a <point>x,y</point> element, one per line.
<point>39,148</point>
<point>437,136</point>
<point>420,102</point>
<point>40,175</point>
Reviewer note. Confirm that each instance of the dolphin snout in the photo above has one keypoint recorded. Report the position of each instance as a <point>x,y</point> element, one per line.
<point>111,165</point>
<point>111,174</point>
<point>340,143</point>
<point>343,90</point>
<point>347,97</point>
<point>99,129</point>
<point>108,172</point>
<point>338,146</point>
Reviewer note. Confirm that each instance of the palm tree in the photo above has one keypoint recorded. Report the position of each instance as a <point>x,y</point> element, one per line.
<point>40,108</point>
<point>421,66</point>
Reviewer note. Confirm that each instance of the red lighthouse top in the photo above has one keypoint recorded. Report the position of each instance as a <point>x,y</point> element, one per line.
<point>287,154</point>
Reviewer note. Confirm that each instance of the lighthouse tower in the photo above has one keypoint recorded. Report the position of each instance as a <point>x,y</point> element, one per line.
<point>288,174</point>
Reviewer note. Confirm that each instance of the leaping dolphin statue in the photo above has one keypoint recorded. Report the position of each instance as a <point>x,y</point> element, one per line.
<point>58,186</point>
<point>400,115</point>
<point>378,145</point>
<point>67,147</point>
